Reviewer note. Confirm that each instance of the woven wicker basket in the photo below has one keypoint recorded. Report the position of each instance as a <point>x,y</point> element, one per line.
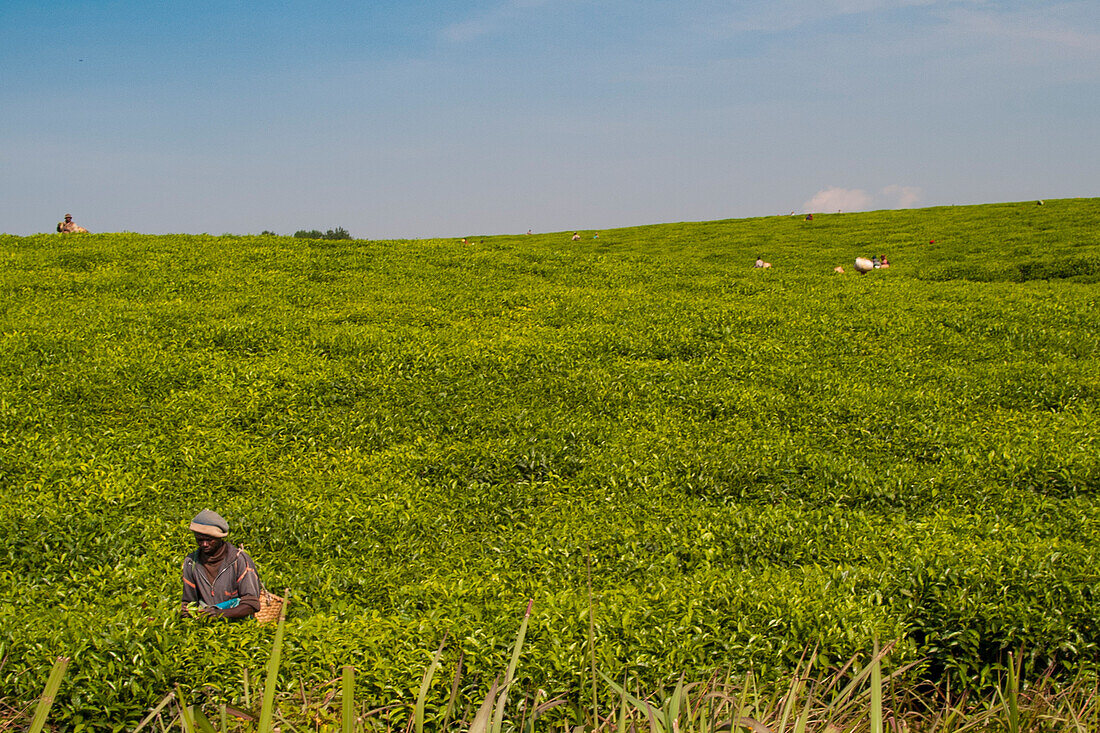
<point>270,607</point>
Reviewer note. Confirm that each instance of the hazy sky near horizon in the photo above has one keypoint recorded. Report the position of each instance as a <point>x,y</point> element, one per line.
<point>431,119</point>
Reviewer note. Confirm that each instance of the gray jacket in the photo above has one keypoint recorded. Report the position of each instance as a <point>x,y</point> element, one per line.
<point>236,578</point>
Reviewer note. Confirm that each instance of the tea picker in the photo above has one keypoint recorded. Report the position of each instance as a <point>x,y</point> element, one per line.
<point>220,580</point>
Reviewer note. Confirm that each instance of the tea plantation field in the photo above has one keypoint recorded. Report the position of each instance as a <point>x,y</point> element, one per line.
<point>416,437</point>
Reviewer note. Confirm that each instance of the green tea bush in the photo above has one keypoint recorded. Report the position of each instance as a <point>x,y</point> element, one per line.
<point>417,437</point>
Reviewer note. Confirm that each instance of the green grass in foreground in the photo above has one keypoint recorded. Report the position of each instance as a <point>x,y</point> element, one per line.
<point>855,698</point>
<point>418,436</point>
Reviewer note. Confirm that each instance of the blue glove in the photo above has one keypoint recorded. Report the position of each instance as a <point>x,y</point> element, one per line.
<point>231,603</point>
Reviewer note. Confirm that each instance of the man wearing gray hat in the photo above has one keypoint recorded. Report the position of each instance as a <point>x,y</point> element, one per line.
<point>219,577</point>
<point>69,226</point>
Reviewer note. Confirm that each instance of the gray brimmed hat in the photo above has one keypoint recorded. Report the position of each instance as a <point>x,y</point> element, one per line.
<point>210,523</point>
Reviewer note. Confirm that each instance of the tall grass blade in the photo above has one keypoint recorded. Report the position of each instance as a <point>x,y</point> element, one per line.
<point>741,711</point>
<point>347,699</point>
<point>53,684</point>
<point>418,711</point>
<point>202,723</point>
<point>1013,695</point>
<point>806,687</point>
<point>592,643</point>
<point>538,711</point>
<point>1077,725</point>
<point>795,689</point>
<point>638,704</point>
<point>455,683</point>
<point>485,712</point>
<point>247,690</point>
<point>623,709</point>
<point>510,673</point>
<point>753,725</point>
<point>187,722</point>
<point>676,703</point>
<point>803,719</point>
<point>876,691</point>
<point>267,710</point>
<point>155,711</point>
<point>656,723</point>
<point>845,697</point>
<point>287,724</point>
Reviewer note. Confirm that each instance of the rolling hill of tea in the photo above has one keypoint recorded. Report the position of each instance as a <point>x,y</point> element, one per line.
<point>726,465</point>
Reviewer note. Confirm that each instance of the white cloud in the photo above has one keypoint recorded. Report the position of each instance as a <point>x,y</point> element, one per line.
<point>834,198</point>
<point>469,30</point>
<point>839,199</point>
<point>1040,26</point>
<point>773,16</point>
<point>903,197</point>
<point>495,20</point>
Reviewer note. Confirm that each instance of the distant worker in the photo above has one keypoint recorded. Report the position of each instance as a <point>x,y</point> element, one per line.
<point>809,217</point>
<point>576,236</point>
<point>759,262</point>
<point>596,235</point>
<point>70,227</point>
<point>874,262</point>
<point>883,262</point>
<point>219,577</point>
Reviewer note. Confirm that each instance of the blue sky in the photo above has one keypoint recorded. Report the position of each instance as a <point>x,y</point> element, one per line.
<point>431,119</point>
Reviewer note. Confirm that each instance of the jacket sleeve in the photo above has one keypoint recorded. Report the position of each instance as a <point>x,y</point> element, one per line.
<point>190,589</point>
<point>248,582</point>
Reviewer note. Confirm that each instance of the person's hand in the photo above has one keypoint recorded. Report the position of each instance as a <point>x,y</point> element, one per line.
<point>209,612</point>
